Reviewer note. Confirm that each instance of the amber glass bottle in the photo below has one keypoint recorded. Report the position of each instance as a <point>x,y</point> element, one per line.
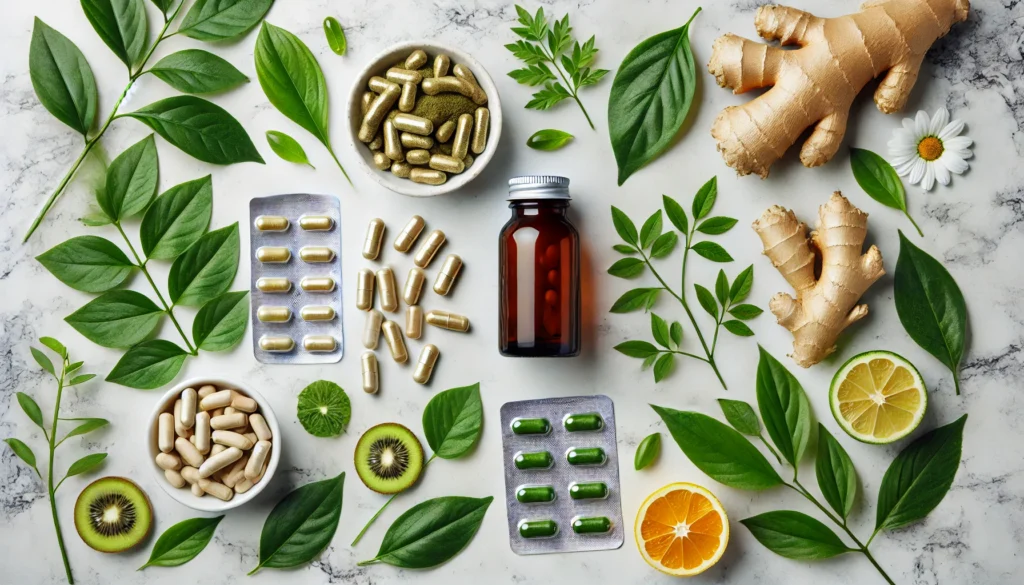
<point>539,271</point>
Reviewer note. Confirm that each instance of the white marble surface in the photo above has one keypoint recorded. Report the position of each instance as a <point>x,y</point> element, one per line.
<point>974,226</point>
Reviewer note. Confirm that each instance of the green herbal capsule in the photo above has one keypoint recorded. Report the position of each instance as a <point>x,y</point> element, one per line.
<point>531,426</point>
<point>594,525</point>
<point>441,64</point>
<point>538,528</point>
<point>586,456</point>
<point>416,59</point>
<point>535,494</point>
<point>418,156</point>
<point>590,421</point>
<point>445,132</point>
<point>410,140</point>
<point>538,460</point>
<point>594,490</point>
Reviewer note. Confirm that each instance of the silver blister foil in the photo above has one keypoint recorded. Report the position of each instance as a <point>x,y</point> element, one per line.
<point>293,207</point>
<point>561,475</point>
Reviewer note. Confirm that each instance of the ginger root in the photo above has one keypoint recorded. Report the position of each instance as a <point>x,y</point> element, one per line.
<point>817,83</point>
<point>825,305</point>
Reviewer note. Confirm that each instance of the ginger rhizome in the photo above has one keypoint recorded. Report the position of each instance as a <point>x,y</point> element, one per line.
<point>817,83</point>
<point>825,303</point>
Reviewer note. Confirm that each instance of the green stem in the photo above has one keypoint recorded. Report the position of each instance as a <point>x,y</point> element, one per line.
<point>687,354</point>
<point>379,512</point>
<point>956,382</point>
<point>575,90</point>
<point>914,223</point>
<point>338,162</point>
<point>770,448</point>
<point>49,476</point>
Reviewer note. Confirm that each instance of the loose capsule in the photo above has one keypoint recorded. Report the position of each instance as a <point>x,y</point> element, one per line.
<point>416,59</point>
<point>205,391</point>
<point>317,284</point>
<point>274,284</point>
<point>538,528</point>
<point>463,132</point>
<point>260,427</point>
<point>216,400</point>
<point>377,143</point>
<point>448,164</point>
<point>379,85</point>
<point>371,381</point>
<point>445,132</point>
<point>425,365</point>
<point>316,254</point>
<point>407,101</point>
<point>174,478</point>
<point>446,277</point>
<point>425,253</point>
<point>531,426</point>
<point>400,75</point>
<point>228,421</point>
<point>593,490</point>
<point>449,321</point>
<point>188,407</point>
<point>319,343</point>
<point>189,474</point>
<point>441,63</point>
<point>449,84</point>
<point>463,73</point>
<point>165,432</point>
<point>396,343</point>
<point>364,289</point>
<point>276,343</point>
<point>257,458</point>
<point>414,322</point>
<point>392,143</point>
<point>407,237</point>
<point>189,453</point>
<point>168,461</point>
<point>243,486</point>
<point>482,118</point>
<point>316,223</point>
<point>414,124</point>
<point>413,286</point>
<point>427,176</point>
<point>216,489</point>
<point>365,102</point>
<point>402,170</point>
<point>374,236</point>
<point>317,313</point>
<point>468,161</point>
<point>538,460</point>
<point>371,330</point>
<point>537,494</point>
<point>418,156</point>
<point>387,289</point>
<point>233,474</point>
<point>232,439</point>
<point>381,161</point>
<point>196,490</point>
<point>203,434</point>
<point>478,95</point>
<point>214,449</point>
<point>591,525</point>
<point>271,223</point>
<point>586,456</point>
<point>273,254</point>
<point>179,429</point>
<point>377,111</point>
<point>274,314</point>
<point>410,140</point>
<point>590,421</point>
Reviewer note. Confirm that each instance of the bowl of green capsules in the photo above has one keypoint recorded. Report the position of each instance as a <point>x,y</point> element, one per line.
<point>425,118</point>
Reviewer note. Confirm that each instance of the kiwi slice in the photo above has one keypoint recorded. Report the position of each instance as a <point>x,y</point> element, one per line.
<point>324,409</point>
<point>389,458</point>
<point>113,514</point>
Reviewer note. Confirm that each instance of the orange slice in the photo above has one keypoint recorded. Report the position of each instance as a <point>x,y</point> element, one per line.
<point>681,529</point>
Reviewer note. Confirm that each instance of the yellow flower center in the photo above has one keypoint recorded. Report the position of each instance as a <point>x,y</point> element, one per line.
<point>930,148</point>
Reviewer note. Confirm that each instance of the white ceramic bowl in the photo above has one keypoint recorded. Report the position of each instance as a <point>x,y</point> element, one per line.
<point>183,495</point>
<point>378,66</point>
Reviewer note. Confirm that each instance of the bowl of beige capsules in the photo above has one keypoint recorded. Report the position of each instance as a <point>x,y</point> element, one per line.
<point>425,119</point>
<point>214,444</point>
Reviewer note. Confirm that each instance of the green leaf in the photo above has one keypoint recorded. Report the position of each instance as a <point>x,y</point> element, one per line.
<point>292,80</point>
<point>163,5</point>
<point>836,477</point>
<point>287,148</point>
<point>664,245</point>
<point>675,214</point>
<point>534,75</point>
<point>545,99</point>
<point>795,535</point>
<point>220,324</point>
<point>676,332</point>
<point>88,425</point>
<point>716,225</point>
<point>197,71</point>
<point>453,421</point>
<point>219,20</point>
<point>638,298</point>
<point>705,198</point>
<point>624,249</point>
<point>81,379</point>
<point>930,306</point>
<point>741,285</point>
<point>722,288</point>
<point>659,328</point>
<point>86,464</point>
<point>712,251</point>
<point>62,78</point>
<point>87,263</point>
<point>73,367</point>
<point>527,52</point>
<point>182,542</point>
<point>335,35</point>
<point>650,230</point>
<point>647,452</point>
<point>741,416</point>
<point>784,407</point>
<point>745,312</point>
<point>920,476</point>
<point>301,525</point>
<point>32,410</point>
<point>23,451</point>
<point>548,140</point>
<point>627,268</point>
<point>324,409</point>
<point>879,180</point>
<point>738,328</point>
<point>131,181</point>
<point>117,318</point>
<point>650,98</point>
<point>122,25</point>
<point>55,346</point>
<point>432,532</point>
<point>206,269</point>
<point>199,128</point>
<point>637,349</point>
<point>592,77</point>
<point>664,366</point>
<point>717,450</point>
<point>177,219</point>
<point>43,361</point>
<point>148,365</point>
<point>648,362</point>
<point>707,301</point>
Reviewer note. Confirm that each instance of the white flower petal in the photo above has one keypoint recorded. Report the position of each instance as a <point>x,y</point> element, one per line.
<point>908,125</point>
<point>951,130</point>
<point>939,121</point>
<point>902,151</point>
<point>904,169</point>
<point>961,154</point>
<point>917,172</point>
<point>957,143</point>
<point>941,172</point>
<point>902,139</point>
<point>903,158</point>
<point>954,163</point>
<point>929,177</point>
<point>921,125</point>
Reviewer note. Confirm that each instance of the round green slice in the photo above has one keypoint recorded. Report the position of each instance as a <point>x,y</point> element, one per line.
<point>324,409</point>
<point>878,397</point>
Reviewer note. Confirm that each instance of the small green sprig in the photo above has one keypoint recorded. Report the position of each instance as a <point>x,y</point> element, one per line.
<point>544,47</point>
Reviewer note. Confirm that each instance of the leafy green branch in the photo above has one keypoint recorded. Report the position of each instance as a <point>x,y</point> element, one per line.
<point>650,243</point>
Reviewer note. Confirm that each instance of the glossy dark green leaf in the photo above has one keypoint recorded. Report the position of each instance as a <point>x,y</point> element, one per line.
<point>879,180</point>
<point>744,312</point>
<point>287,148</point>
<point>197,71</point>
<point>722,288</point>
<point>86,464</point>
<point>43,361</point>
<point>675,214</point>
<point>920,476</point>
<point>206,269</point>
<point>837,478</point>
<point>737,328</point>
<point>301,525</point>
<point>23,451</point>
<point>638,298</point>
<point>650,230</point>
<point>87,425</point>
<point>87,263</point>
<point>453,421</point>
<point>637,349</point>
<point>31,409</point>
<point>62,78</point>
<point>741,416</point>
<point>664,366</point>
<point>131,181</point>
<point>719,451</point>
<point>784,407</point>
<point>122,25</point>
<point>432,532</point>
<point>117,318</point>
<point>627,267</point>
<point>292,80</point>
<point>148,365</point>
<point>199,128</point>
<point>741,285</point>
<point>706,300</point>
<point>548,139</point>
<point>647,451</point>
<point>177,219</point>
<point>716,225</point>
<point>624,226</point>
<point>664,245</point>
<point>705,198</point>
<point>182,542</point>
<point>219,20</point>
<point>712,251</point>
<point>55,346</point>
<point>659,329</point>
<point>220,323</point>
<point>795,535</point>
<point>335,35</point>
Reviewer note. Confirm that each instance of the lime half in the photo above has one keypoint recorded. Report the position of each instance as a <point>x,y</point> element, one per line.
<point>878,397</point>
<point>324,409</point>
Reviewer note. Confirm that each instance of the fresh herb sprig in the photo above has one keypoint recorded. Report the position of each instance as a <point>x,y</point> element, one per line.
<point>69,374</point>
<point>915,483</point>
<point>651,243</point>
<point>545,46</point>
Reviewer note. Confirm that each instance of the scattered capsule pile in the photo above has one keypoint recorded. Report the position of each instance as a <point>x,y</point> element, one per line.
<point>408,122</point>
<point>215,441</point>
<point>387,293</point>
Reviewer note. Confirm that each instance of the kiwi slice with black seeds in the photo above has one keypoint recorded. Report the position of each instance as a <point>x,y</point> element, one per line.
<point>389,458</point>
<point>113,514</point>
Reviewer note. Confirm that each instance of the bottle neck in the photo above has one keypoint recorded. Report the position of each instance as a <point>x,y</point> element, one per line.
<point>544,207</point>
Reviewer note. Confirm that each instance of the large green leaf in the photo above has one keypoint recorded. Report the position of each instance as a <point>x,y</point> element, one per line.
<point>177,219</point>
<point>784,407</point>
<point>432,532</point>
<point>795,535</point>
<point>62,78</point>
<point>837,478</point>
<point>220,324</point>
<point>624,226</point>
<point>199,128</point>
<point>117,318</point>
<point>453,421</point>
<point>301,525</point>
<point>122,25</point>
<point>131,181</point>
<point>87,263</point>
<point>182,542</point>
<point>292,80</point>
<point>197,71</point>
<point>148,365</point>
<point>218,20</point>
<point>206,269</point>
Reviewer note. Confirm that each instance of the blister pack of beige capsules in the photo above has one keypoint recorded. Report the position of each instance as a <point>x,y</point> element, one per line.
<point>561,475</point>
<point>295,247</point>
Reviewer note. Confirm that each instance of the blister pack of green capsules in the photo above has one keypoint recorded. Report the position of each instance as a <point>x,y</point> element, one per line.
<point>561,475</point>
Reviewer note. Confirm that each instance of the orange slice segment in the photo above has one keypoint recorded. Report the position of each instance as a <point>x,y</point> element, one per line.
<point>681,529</point>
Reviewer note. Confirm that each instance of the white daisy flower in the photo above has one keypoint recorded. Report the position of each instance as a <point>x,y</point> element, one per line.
<point>927,151</point>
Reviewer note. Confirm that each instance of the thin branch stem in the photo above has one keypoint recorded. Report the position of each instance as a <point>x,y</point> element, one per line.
<point>49,475</point>
<point>379,512</point>
<point>575,90</point>
<point>687,354</point>
<point>338,162</point>
<point>770,448</point>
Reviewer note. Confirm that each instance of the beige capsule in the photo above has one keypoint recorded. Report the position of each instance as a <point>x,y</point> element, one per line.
<point>448,84</point>
<point>243,403</point>
<point>232,439</point>
<point>441,64</point>
<point>418,156</point>
<point>230,410</point>
<point>365,102</point>
<point>189,473</point>
<point>427,176</point>
<point>243,486</point>
<point>202,436</point>
<point>216,489</point>
<point>445,132</point>
<point>414,124</point>
<point>463,73</point>
<point>228,421</point>
<point>260,455</point>
<point>413,286</point>
<point>364,289</point>
<point>387,289</point>
<point>407,101</point>
<point>216,400</point>
<point>174,478</point>
<point>481,120</point>
<point>215,463</point>
<point>317,284</point>
<point>277,343</point>
<point>252,437</point>
<point>196,490</point>
<point>371,329</point>
<point>272,223</point>
<point>269,314</point>
<point>381,161</point>
<point>317,313</point>
<point>414,322</point>
<point>428,249</point>
<point>416,59</point>
<point>468,161</point>
<point>377,111</point>
<point>316,254</point>
<point>205,391</point>
<point>260,427</point>
<point>234,474</point>
<point>425,365</point>
<point>179,427</point>
<point>319,343</point>
<point>189,398</point>
<point>400,75</point>
<point>273,254</point>
<point>396,343</point>
<point>448,164</point>
<point>449,321</point>
<point>463,132</point>
<point>401,170</point>
<point>273,284</point>
<point>316,223</point>
<point>165,432</point>
<point>371,372</point>
<point>407,237</point>
<point>373,239</point>
<point>378,84</point>
<point>410,140</point>
<point>168,461</point>
<point>446,277</point>
<point>214,449</point>
<point>189,453</point>
<point>392,143</point>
